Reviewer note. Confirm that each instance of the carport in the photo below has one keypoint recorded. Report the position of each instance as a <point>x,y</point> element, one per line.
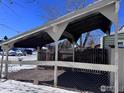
<point>99,15</point>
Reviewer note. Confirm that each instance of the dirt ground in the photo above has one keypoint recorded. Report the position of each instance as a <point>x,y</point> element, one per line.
<point>42,74</point>
<point>78,81</point>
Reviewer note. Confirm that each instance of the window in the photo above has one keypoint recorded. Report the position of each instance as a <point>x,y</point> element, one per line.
<point>120,44</point>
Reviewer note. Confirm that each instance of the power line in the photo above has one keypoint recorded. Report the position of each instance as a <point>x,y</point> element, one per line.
<point>8,27</point>
<point>13,11</point>
<point>32,1</point>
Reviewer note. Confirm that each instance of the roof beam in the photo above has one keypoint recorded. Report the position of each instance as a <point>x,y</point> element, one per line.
<point>56,31</point>
<point>89,66</point>
<point>108,12</point>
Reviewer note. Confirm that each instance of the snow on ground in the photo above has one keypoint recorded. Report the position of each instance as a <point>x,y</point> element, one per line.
<point>17,67</point>
<point>24,58</point>
<point>12,86</point>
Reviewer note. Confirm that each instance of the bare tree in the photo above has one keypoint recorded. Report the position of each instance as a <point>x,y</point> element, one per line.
<point>5,38</point>
<point>76,5</point>
<point>53,12</point>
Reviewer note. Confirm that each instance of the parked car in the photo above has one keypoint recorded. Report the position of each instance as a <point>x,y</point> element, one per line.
<point>12,53</point>
<point>1,52</point>
<point>29,52</point>
<point>19,53</point>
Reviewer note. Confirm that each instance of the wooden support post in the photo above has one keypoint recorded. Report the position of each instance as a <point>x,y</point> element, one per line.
<point>36,82</point>
<point>6,49</point>
<point>1,66</point>
<point>38,49</point>
<point>39,53</point>
<point>116,84</point>
<point>6,64</point>
<point>73,55</point>
<point>47,54</point>
<point>38,56</point>
<point>73,52</point>
<point>55,67</point>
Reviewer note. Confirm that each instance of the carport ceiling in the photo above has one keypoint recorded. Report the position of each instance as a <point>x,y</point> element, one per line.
<point>75,28</point>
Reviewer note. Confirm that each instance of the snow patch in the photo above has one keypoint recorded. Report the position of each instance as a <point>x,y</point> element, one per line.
<point>12,86</point>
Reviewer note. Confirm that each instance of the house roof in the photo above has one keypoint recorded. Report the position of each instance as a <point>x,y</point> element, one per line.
<point>81,21</point>
<point>121,31</point>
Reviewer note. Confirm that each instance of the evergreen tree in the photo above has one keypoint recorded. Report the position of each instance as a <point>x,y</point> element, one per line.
<point>5,38</point>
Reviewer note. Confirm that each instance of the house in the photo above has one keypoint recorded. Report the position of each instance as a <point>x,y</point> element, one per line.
<point>108,41</point>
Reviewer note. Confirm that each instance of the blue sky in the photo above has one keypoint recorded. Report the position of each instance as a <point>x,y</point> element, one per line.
<point>23,15</point>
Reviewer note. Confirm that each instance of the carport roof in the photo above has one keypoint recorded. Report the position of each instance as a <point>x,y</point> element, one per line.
<point>81,21</point>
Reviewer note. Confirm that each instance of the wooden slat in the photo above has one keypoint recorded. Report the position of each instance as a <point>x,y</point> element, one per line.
<point>99,67</point>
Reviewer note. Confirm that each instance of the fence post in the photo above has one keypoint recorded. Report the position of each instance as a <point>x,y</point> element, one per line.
<point>6,49</point>
<point>55,67</point>
<point>6,64</point>
<point>56,59</point>
<point>1,66</point>
<point>116,84</point>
